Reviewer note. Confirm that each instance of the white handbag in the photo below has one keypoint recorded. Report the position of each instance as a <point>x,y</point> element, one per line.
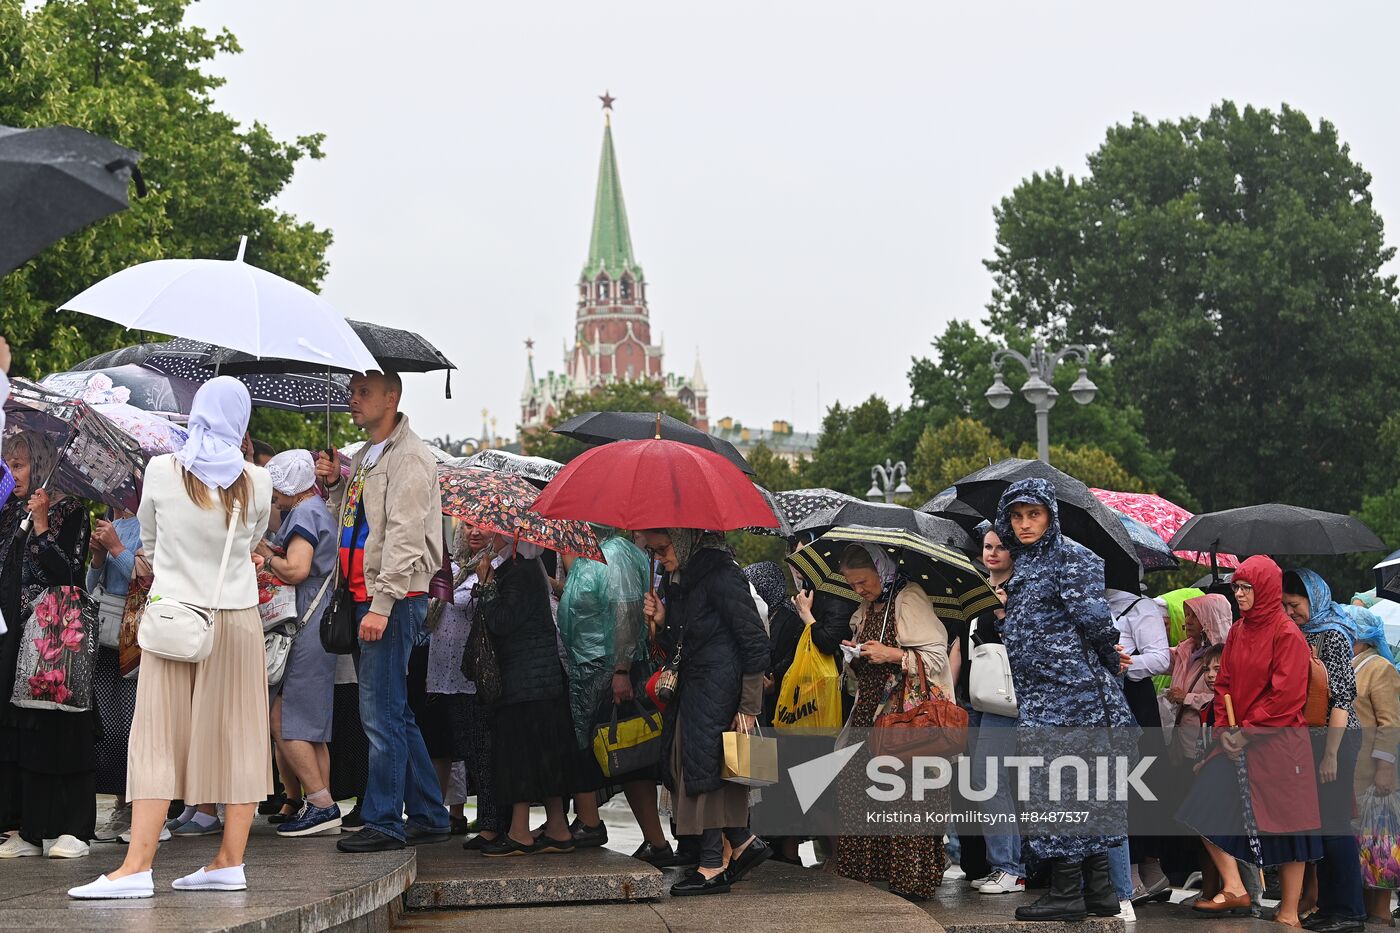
<point>990,688</point>
<point>177,631</point>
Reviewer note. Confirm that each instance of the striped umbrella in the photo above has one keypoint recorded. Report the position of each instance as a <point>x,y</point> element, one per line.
<point>953,583</point>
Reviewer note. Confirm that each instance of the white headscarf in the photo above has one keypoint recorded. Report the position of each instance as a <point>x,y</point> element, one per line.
<point>218,421</point>
<point>884,563</point>
<point>292,472</point>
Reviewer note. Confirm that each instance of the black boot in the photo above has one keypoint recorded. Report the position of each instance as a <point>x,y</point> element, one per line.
<point>1099,897</point>
<point>1064,900</point>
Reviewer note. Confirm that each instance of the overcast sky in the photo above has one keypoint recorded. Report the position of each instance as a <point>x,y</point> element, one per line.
<point>810,185</point>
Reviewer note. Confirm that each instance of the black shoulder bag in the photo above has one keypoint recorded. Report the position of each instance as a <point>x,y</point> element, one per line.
<point>339,630</point>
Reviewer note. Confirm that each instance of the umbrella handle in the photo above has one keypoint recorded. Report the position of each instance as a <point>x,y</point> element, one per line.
<point>1230,710</point>
<point>658,425</point>
<point>28,519</point>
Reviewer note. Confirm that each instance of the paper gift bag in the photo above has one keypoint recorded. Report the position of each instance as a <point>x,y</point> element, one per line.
<point>750,759</point>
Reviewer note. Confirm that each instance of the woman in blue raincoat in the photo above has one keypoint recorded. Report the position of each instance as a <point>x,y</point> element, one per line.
<point>1065,663</point>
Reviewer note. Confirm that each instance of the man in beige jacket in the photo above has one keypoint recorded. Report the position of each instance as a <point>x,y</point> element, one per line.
<point>390,544</point>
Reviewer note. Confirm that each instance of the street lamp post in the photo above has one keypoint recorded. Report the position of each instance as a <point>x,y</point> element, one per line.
<point>1040,371</point>
<point>888,480</point>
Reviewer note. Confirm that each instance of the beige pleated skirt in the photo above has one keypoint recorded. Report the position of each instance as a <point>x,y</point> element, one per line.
<point>200,733</point>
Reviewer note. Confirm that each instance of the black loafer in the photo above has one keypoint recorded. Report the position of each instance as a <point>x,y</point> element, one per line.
<point>477,843</point>
<point>696,883</point>
<point>505,847</point>
<point>754,854</point>
<point>369,840</point>
<point>547,846</point>
<point>1340,925</point>
<point>589,837</point>
<point>422,836</point>
<point>657,858</point>
<point>279,817</point>
<point>458,826</point>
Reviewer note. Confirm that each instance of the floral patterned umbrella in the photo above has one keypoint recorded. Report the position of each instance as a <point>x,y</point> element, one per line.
<point>500,502</point>
<point>1162,516</point>
<point>155,435</point>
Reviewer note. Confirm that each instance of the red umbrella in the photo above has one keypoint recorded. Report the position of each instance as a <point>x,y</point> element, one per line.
<point>655,484</point>
<point>500,502</point>
<point>1162,516</point>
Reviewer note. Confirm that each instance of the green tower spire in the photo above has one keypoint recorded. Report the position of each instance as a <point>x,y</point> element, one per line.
<point>610,248</point>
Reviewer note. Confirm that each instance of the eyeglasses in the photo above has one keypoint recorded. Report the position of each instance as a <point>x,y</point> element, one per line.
<point>1242,587</point>
<point>657,552</point>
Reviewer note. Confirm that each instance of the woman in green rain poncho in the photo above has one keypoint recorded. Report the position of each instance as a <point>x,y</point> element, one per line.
<point>608,659</point>
<point>1175,602</point>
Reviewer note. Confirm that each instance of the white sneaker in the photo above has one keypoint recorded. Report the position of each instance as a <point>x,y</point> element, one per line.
<point>16,847</point>
<point>220,879</point>
<point>954,872</point>
<point>1126,912</point>
<point>164,836</point>
<point>137,885</point>
<point>978,882</point>
<point>118,823</point>
<point>65,847</point>
<point>1002,883</point>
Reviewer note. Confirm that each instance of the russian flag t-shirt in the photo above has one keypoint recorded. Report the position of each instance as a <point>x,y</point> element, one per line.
<point>352,519</point>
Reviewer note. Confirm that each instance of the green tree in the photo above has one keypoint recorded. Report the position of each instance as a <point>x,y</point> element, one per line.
<point>1232,268</point>
<point>286,430</point>
<point>948,453</point>
<point>771,471</point>
<point>852,441</point>
<point>137,73</point>
<point>643,395</point>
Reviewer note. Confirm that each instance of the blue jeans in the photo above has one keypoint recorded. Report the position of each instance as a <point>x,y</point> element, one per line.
<point>1120,871</point>
<point>401,775</point>
<point>996,738</point>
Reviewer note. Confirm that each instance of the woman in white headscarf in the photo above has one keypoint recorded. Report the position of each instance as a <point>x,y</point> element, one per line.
<point>303,702</point>
<point>201,730</point>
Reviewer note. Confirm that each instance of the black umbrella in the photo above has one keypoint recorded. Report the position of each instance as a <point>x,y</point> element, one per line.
<point>793,505</point>
<point>181,364</point>
<point>604,427</point>
<point>1082,516</point>
<point>1275,529</point>
<point>784,527</point>
<point>952,583</point>
<point>947,505</point>
<point>55,180</point>
<point>885,515</point>
<point>397,351</point>
<point>538,470</point>
<point>1388,578</point>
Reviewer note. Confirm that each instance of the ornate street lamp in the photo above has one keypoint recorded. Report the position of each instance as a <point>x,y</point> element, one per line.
<point>1040,372</point>
<point>887,481</point>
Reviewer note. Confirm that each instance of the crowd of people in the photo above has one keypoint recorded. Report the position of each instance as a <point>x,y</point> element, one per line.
<point>483,667</point>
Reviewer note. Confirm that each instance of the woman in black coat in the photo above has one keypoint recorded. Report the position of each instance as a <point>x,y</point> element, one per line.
<point>533,734</point>
<point>712,626</point>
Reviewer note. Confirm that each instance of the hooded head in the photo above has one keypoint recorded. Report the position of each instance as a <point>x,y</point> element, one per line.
<point>1306,592</point>
<point>1213,613</point>
<point>1266,582</point>
<point>1036,523</point>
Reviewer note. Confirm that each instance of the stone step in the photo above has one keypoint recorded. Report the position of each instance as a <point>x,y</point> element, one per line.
<point>451,877</point>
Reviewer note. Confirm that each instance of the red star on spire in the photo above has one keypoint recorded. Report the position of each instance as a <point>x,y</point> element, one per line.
<point>607,100</point>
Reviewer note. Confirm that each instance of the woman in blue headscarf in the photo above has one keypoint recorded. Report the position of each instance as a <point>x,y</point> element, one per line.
<point>1062,645</point>
<point>1378,710</point>
<point>1331,631</point>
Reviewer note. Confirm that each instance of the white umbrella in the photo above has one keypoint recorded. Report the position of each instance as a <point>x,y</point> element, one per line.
<point>232,304</point>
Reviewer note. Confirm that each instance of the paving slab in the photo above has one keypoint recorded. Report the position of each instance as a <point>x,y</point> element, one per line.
<point>959,909</point>
<point>294,886</point>
<point>450,877</point>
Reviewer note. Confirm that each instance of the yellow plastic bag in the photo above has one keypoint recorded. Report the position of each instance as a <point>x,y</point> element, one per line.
<point>810,696</point>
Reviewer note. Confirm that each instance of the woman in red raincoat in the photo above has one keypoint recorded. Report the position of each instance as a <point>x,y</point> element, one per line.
<point>1265,673</point>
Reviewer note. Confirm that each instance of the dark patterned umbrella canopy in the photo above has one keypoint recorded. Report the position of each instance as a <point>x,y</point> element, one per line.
<point>538,470</point>
<point>183,362</point>
<point>793,505</point>
<point>500,502</point>
<point>947,505</point>
<point>96,459</point>
<point>399,351</point>
<point>55,180</point>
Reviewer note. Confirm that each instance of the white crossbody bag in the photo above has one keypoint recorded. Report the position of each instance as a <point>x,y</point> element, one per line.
<point>177,631</point>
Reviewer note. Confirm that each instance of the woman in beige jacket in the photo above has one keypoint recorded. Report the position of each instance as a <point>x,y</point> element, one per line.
<point>1378,708</point>
<point>894,630</point>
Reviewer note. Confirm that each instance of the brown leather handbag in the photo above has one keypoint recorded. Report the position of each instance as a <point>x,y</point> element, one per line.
<point>935,727</point>
<point>1319,699</point>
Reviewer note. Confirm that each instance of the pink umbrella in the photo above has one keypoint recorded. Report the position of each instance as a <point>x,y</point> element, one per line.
<point>1163,517</point>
